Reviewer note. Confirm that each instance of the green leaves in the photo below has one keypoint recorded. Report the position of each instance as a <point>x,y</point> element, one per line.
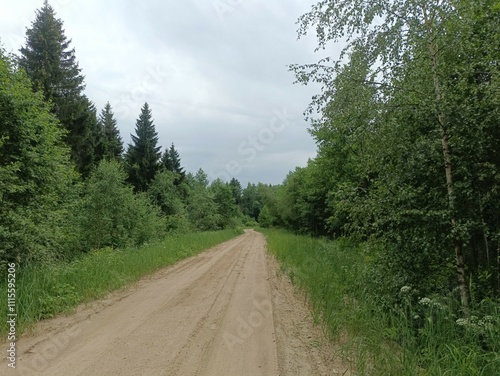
<point>406,136</point>
<point>112,216</point>
<point>36,175</point>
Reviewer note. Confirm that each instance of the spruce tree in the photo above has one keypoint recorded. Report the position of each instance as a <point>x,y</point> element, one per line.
<point>112,142</point>
<point>171,161</point>
<point>142,157</point>
<point>166,162</point>
<point>89,140</point>
<point>52,67</point>
<point>49,61</point>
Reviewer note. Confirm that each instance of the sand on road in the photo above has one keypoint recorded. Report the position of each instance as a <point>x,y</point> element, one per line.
<point>226,311</point>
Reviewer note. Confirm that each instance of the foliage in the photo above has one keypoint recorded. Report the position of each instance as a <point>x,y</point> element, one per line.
<point>36,176</point>
<point>165,194</point>
<point>201,207</point>
<point>112,147</point>
<point>236,190</point>
<point>406,134</point>
<point>418,335</point>
<point>112,216</point>
<point>171,161</point>
<point>143,154</point>
<point>251,204</point>
<point>225,204</point>
<point>52,67</point>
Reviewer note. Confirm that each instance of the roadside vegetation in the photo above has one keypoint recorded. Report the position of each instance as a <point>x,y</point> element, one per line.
<point>44,291</point>
<point>417,335</point>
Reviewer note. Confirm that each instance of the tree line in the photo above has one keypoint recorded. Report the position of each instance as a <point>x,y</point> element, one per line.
<point>67,184</point>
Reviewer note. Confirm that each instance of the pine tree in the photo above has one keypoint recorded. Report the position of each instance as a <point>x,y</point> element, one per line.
<point>142,157</point>
<point>52,67</point>
<point>112,142</point>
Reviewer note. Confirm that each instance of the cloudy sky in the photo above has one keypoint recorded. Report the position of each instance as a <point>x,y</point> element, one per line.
<point>213,71</point>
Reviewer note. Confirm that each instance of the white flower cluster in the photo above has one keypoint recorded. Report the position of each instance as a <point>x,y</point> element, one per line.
<point>405,289</point>
<point>473,323</point>
<point>426,302</point>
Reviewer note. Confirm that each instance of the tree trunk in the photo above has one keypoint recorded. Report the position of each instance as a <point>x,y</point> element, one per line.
<point>459,254</point>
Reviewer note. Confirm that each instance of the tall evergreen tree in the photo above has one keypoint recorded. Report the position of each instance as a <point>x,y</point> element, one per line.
<point>112,142</point>
<point>52,67</point>
<point>49,61</point>
<point>142,157</point>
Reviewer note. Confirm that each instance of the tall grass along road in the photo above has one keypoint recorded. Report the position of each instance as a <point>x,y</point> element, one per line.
<point>222,312</point>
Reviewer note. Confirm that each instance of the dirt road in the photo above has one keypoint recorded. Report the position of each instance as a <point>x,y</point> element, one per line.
<point>223,312</point>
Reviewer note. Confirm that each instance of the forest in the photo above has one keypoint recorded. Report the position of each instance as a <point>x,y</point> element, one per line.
<point>408,159</point>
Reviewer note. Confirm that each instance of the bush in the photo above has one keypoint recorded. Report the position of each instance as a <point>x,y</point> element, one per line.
<point>112,216</point>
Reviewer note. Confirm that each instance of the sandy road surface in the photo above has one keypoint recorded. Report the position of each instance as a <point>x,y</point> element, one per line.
<point>223,312</point>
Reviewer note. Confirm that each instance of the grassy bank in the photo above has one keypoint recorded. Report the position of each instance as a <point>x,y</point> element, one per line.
<point>43,292</point>
<point>419,336</point>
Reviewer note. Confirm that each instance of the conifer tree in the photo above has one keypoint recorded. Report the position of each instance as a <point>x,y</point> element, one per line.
<point>142,157</point>
<point>171,161</point>
<point>49,61</point>
<point>52,67</point>
<point>112,142</point>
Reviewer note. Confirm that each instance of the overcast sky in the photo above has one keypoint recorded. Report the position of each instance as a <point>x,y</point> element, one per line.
<point>214,73</point>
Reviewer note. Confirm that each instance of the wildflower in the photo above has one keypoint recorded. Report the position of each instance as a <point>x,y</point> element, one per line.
<point>462,322</point>
<point>405,289</point>
<point>488,318</point>
<point>425,302</point>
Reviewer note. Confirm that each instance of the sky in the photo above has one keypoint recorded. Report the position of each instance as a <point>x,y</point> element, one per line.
<point>214,73</point>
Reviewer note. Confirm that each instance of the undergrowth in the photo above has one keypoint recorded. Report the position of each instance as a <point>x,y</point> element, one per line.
<point>417,336</point>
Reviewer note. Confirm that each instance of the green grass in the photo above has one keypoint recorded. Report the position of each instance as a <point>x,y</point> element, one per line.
<point>43,292</point>
<point>411,338</point>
